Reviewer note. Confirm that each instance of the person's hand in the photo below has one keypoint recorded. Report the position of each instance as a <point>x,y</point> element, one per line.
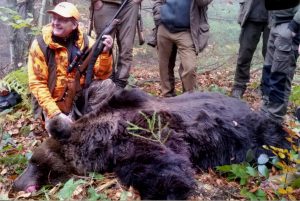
<point>61,117</point>
<point>108,42</point>
<point>98,4</point>
<point>65,118</point>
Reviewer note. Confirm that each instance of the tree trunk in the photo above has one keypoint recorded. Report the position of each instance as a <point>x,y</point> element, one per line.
<point>43,16</point>
<point>19,39</point>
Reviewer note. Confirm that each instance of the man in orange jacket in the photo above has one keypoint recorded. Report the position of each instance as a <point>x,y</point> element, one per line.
<point>64,38</point>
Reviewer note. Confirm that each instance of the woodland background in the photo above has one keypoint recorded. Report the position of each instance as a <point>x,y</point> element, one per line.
<point>20,21</point>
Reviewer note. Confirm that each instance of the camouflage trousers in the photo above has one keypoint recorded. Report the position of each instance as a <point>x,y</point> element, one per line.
<point>278,72</point>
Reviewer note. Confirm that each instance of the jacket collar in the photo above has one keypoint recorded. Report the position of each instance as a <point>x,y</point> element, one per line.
<point>47,36</point>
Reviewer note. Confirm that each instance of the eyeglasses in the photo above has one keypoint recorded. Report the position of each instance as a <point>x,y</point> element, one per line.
<point>61,19</point>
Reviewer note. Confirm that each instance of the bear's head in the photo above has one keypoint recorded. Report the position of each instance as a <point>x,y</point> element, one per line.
<point>47,164</point>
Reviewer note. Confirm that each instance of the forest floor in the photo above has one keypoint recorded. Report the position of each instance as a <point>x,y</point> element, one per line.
<point>18,148</point>
<point>20,133</point>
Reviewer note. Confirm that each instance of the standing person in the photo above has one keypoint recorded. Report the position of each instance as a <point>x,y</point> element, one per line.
<point>280,63</point>
<point>182,25</point>
<point>253,18</point>
<point>104,10</point>
<point>48,76</point>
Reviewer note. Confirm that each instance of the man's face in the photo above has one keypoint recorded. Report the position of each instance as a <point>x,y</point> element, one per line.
<point>62,27</point>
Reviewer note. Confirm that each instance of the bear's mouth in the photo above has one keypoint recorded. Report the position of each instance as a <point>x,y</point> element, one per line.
<point>32,188</point>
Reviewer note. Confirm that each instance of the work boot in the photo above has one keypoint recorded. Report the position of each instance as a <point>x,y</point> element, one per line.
<point>168,95</point>
<point>120,83</point>
<point>237,93</point>
<point>152,40</point>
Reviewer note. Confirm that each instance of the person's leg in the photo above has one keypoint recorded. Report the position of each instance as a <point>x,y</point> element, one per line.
<point>125,38</point>
<point>265,38</point>
<point>249,38</point>
<point>166,60</point>
<point>281,74</point>
<point>187,53</point>
<point>264,86</point>
<point>171,66</point>
<point>103,16</point>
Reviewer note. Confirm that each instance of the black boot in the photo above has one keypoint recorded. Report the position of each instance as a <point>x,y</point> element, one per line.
<point>120,83</point>
<point>237,92</point>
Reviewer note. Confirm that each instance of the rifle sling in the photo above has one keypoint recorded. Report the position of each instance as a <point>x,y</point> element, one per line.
<point>49,55</point>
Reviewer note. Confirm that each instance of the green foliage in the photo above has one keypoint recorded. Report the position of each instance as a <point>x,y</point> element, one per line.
<point>15,20</point>
<point>258,195</point>
<point>96,176</point>
<point>93,195</point>
<point>216,88</point>
<point>11,156</point>
<point>14,159</point>
<point>124,196</point>
<point>44,191</point>
<point>246,173</point>
<point>287,161</point>
<point>18,80</point>
<point>155,129</point>
<point>131,81</point>
<point>25,130</point>
<point>69,187</point>
<point>295,95</point>
<point>242,172</point>
<point>12,18</point>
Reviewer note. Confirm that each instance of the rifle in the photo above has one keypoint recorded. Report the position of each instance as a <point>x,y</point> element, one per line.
<point>90,26</point>
<point>98,46</point>
<point>84,61</point>
<point>140,28</point>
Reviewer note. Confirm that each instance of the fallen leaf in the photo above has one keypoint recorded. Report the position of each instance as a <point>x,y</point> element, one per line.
<point>4,171</point>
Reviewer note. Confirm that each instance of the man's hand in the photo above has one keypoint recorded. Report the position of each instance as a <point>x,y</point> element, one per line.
<point>65,118</point>
<point>62,118</point>
<point>108,42</point>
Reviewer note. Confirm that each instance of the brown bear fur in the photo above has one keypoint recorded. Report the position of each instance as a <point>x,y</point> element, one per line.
<point>197,131</point>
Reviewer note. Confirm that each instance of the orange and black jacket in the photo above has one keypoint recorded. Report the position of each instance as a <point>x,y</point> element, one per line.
<point>38,70</point>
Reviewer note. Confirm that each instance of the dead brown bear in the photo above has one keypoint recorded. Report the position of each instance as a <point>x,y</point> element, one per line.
<point>194,131</point>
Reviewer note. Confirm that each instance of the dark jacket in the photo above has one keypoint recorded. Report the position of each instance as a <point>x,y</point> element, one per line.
<point>198,21</point>
<point>287,15</point>
<point>246,7</point>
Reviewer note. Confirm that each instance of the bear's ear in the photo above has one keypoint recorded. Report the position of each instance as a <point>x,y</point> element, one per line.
<point>59,128</point>
<point>124,98</point>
